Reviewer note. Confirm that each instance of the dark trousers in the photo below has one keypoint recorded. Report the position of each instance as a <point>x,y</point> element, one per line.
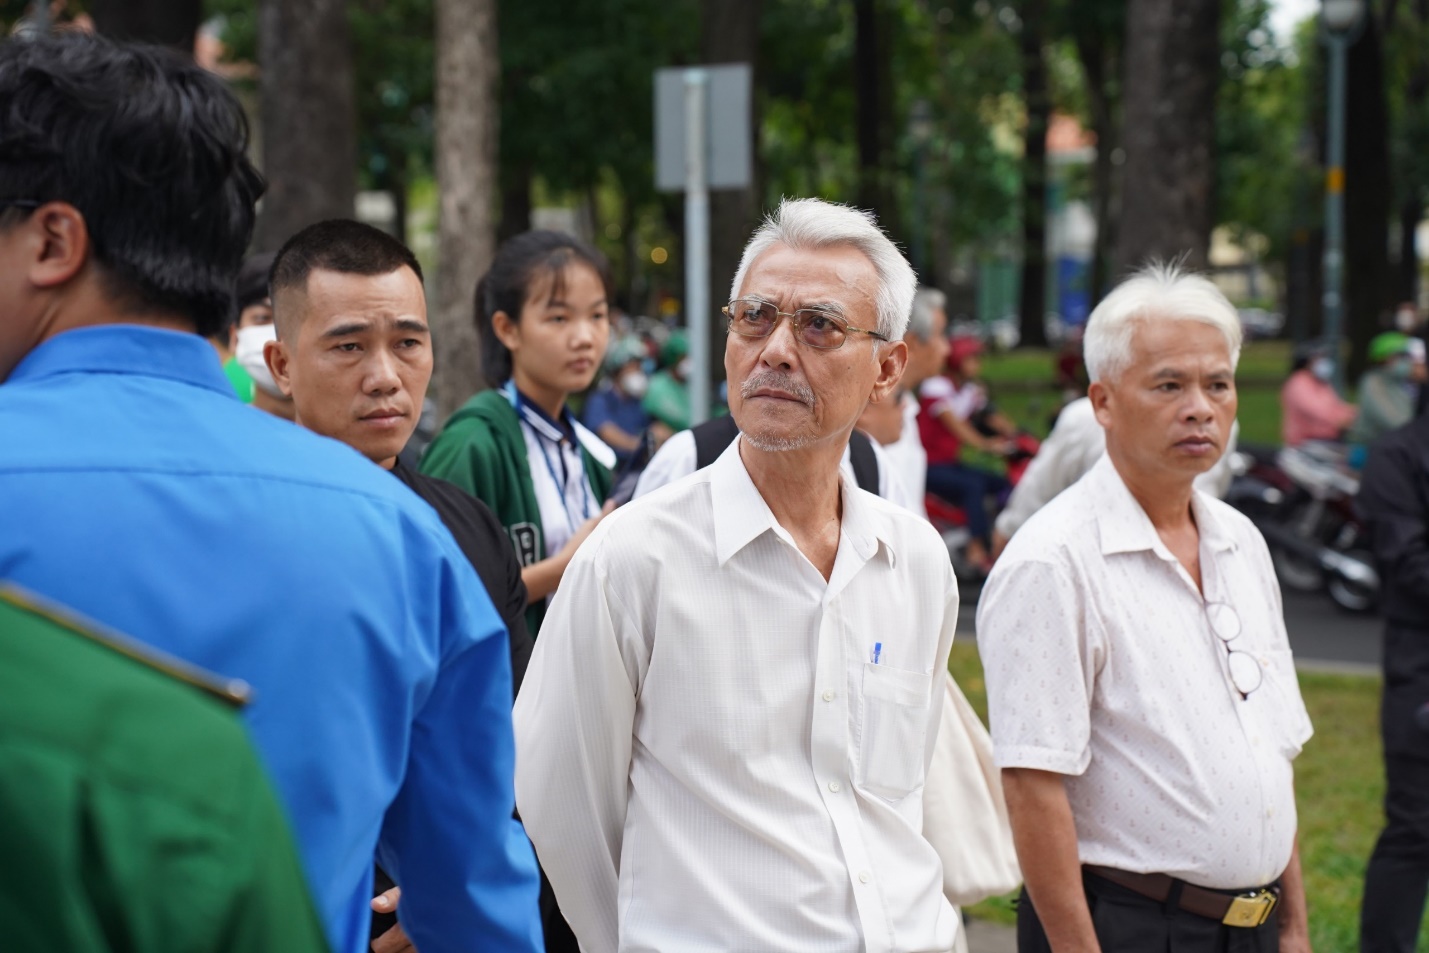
<point>1398,875</point>
<point>968,488</point>
<point>1127,922</point>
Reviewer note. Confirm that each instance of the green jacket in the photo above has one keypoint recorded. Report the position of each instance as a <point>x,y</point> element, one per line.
<point>482,450</point>
<point>134,814</point>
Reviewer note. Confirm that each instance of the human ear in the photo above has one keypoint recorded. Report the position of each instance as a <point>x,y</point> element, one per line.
<point>1100,396</point>
<point>60,243</point>
<point>892,360</point>
<point>508,332</point>
<point>275,355</point>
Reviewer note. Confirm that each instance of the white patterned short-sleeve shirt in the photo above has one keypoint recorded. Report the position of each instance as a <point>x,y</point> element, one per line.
<point>1102,665</point>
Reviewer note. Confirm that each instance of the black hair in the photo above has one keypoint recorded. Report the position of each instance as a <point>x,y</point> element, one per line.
<point>341,245</point>
<point>506,286</point>
<point>151,149</point>
<point>252,282</point>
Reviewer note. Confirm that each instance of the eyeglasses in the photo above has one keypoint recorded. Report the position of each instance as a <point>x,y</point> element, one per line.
<point>31,204</point>
<point>1244,669</point>
<point>752,318</point>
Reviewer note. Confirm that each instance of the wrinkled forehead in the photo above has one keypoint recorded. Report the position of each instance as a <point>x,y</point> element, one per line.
<point>331,298</point>
<point>792,277</point>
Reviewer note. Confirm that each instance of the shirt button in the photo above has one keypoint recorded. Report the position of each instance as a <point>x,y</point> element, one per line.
<point>865,877</point>
<point>835,787</point>
<point>828,694</point>
<point>1270,812</point>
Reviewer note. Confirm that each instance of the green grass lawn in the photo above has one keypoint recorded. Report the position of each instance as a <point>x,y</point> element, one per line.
<point>1021,384</point>
<point>1339,784</point>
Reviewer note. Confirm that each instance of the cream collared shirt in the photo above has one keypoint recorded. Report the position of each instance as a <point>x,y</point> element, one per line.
<point>708,757</point>
<point>1101,665</point>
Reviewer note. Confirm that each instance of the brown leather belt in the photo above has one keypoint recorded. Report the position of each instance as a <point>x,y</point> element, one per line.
<point>1249,909</point>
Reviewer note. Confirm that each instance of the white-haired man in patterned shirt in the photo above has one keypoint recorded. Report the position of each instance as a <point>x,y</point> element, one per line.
<point>1143,700</point>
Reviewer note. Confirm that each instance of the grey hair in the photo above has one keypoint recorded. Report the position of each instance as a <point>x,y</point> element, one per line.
<point>814,223</point>
<point>926,303</point>
<point>1159,290</point>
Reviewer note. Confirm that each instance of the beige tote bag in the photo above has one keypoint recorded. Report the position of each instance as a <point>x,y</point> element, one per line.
<point>964,815</point>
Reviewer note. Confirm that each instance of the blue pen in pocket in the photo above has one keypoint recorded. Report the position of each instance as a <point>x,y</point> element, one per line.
<point>877,651</point>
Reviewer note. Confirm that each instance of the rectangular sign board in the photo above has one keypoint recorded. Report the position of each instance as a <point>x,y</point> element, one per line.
<point>729,152</point>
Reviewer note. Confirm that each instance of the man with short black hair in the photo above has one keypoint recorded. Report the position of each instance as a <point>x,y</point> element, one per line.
<point>355,357</point>
<point>132,478</point>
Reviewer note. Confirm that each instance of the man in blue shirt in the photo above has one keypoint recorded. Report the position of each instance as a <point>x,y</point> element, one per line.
<point>132,480</point>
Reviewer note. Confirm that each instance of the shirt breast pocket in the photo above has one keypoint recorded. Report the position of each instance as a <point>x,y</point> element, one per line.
<point>895,726</point>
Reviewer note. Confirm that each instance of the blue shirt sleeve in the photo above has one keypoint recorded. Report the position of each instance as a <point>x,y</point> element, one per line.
<point>467,872</point>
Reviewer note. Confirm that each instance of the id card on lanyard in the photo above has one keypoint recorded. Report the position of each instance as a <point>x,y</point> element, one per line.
<point>549,438</point>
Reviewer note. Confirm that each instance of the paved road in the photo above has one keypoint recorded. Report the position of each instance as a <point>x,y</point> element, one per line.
<point>1321,635</point>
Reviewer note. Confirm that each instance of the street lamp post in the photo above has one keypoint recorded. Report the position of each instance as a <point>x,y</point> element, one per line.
<point>1341,20</point>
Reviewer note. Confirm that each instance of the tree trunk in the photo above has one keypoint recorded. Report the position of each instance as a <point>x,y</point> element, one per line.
<point>1033,298</point>
<point>309,116</point>
<point>172,23</point>
<point>1169,131</point>
<point>1367,193</point>
<point>515,199</point>
<point>468,62</point>
<point>1305,284</point>
<point>1098,54</point>
<point>1406,278</point>
<point>875,130</point>
<point>730,34</point>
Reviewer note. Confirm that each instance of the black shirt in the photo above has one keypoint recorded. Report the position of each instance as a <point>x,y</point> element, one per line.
<point>481,537</point>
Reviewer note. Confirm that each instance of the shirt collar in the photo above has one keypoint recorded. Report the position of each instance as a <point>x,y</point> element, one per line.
<point>127,349</point>
<point>741,515</point>
<point>553,429</point>
<point>1124,526</point>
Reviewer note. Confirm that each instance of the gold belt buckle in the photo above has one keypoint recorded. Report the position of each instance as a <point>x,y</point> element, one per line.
<point>1250,910</point>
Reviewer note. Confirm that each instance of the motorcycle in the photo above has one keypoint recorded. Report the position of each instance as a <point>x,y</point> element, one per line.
<point>1302,501</point>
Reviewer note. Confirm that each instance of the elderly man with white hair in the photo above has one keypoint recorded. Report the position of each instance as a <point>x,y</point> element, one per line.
<point>1144,704</point>
<point>725,729</point>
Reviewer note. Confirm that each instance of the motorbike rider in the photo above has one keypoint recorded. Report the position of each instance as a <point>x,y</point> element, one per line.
<point>1310,408</point>
<point>1387,390</point>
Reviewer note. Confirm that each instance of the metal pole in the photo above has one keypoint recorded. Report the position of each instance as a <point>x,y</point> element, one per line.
<point>1334,259</point>
<point>697,244</point>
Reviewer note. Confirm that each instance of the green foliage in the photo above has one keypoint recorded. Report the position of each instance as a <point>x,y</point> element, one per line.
<point>1267,178</point>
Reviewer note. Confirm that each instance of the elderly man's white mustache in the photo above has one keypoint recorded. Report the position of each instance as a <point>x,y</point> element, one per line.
<point>778,380</point>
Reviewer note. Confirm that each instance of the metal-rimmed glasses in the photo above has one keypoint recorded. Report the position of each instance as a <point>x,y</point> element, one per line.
<point>1244,668</point>
<point>753,318</point>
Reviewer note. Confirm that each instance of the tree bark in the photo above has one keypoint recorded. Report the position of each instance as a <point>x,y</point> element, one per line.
<point>468,63</point>
<point>1368,199</point>
<point>172,23</point>
<point>309,116</point>
<point>1099,53</point>
<point>730,34</point>
<point>875,131</point>
<point>1033,299</point>
<point>1168,132</point>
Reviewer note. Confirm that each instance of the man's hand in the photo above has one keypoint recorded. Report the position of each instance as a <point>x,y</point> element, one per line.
<point>394,940</point>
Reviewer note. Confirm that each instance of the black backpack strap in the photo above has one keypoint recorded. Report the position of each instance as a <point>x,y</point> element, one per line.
<point>863,460</point>
<point>711,439</point>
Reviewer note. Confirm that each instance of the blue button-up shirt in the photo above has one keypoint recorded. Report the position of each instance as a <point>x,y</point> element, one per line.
<point>137,489</point>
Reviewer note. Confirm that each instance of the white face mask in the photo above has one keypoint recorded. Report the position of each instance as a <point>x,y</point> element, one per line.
<point>249,354</point>
<point>634,382</point>
<point>685,368</point>
<point>1323,368</point>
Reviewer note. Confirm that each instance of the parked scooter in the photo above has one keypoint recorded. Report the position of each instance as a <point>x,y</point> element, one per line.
<point>1302,501</point>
